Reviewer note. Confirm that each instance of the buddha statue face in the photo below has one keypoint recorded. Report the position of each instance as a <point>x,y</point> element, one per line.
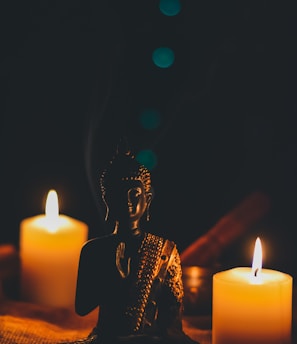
<point>126,190</point>
<point>137,200</point>
<point>128,202</point>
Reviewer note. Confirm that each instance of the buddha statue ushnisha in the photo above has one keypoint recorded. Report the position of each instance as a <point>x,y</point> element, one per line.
<point>132,275</point>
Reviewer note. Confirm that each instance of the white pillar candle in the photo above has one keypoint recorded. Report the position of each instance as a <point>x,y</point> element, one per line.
<point>252,305</point>
<point>50,247</point>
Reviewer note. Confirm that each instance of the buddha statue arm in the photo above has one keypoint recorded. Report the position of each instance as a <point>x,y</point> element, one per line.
<point>86,289</point>
<point>171,304</point>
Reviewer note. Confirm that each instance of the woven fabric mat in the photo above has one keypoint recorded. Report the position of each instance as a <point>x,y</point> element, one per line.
<point>22,330</point>
<point>25,323</point>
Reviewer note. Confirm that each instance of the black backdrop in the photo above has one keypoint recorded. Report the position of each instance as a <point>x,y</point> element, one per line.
<point>76,74</point>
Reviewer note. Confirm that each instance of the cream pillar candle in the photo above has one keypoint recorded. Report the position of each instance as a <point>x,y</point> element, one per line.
<point>50,246</point>
<point>252,305</point>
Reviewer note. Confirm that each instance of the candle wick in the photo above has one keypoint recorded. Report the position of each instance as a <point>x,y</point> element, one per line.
<point>256,272</point>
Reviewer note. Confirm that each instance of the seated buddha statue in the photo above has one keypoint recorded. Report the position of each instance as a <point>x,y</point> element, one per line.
<point>134,276</point>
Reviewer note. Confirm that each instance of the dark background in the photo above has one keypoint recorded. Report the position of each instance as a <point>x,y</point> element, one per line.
<point>75,75</point>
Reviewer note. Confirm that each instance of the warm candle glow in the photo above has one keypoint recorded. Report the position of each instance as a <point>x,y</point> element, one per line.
<point>257,300</point>
<point>50,245</point>
<point>257,262</point>
<point>52,211</point>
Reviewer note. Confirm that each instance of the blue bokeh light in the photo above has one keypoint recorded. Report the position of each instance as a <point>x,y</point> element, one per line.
<point>147,158</point>
<point>150,119</point>
<point>170,7</point>
<point>163,57</point>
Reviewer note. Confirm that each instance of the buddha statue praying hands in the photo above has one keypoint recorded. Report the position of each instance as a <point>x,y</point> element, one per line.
<point>132,275</point>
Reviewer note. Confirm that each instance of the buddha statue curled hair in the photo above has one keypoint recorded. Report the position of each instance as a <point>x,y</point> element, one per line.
<point>124,166</point>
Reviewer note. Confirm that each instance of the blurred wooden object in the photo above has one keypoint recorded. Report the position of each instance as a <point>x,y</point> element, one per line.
<point>9,270</point>
<point>206,249</point>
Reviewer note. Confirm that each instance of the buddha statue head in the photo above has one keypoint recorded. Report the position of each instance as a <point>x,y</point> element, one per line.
<point>126,189</point>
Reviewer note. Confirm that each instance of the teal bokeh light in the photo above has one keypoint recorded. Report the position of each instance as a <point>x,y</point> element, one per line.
<point>147,158</point>
<point>170,7</point>
<point>163,57</point>
<point>150,119</point>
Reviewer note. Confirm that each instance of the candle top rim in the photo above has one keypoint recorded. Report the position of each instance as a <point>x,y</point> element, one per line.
<point>41,224</point>
<point>42,217</point>
<point>243,274</point>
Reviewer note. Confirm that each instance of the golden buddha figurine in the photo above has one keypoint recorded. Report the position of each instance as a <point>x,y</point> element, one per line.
<point>132,275</point>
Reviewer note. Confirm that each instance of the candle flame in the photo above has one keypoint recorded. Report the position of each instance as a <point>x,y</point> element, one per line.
<point>257,259</point>
<point>52,210</point>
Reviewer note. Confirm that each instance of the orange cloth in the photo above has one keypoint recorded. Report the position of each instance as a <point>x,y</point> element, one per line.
<point>25,323</point>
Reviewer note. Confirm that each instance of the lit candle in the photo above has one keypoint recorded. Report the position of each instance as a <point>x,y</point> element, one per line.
<point>252,305</point>
<point>50,246</point>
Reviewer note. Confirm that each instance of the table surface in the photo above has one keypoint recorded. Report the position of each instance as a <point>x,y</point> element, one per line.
<point>34,324</point>
<point>46,325</point>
